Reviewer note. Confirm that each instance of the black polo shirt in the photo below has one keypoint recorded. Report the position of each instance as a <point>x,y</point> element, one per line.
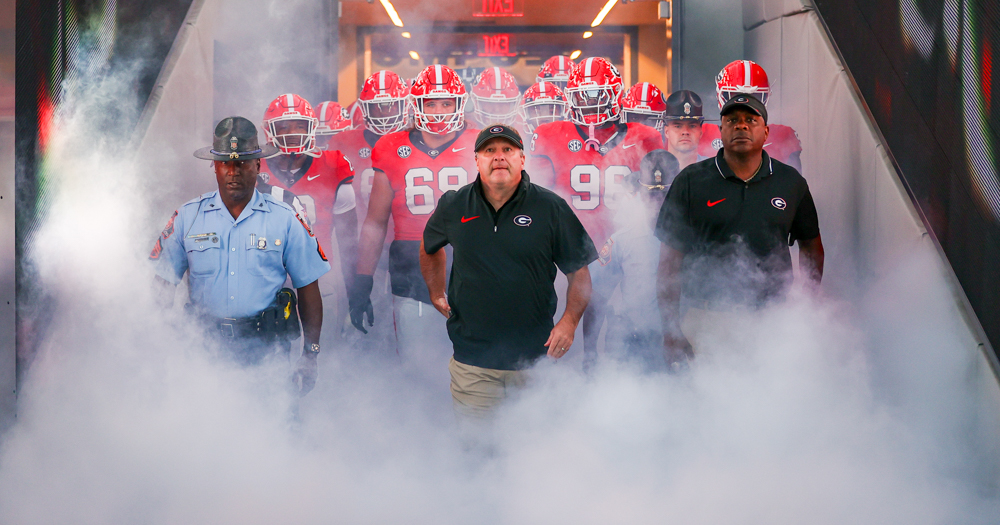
<point>734,234</point>
<point>501,289</point>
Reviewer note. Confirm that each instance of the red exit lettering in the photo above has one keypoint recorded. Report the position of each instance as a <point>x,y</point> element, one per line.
<point>498,8</point>
<point>496,46</point>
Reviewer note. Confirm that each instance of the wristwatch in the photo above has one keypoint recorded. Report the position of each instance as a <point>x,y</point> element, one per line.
<point>313,348</point>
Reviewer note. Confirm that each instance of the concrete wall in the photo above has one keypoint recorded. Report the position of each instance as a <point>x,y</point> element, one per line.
<point>8,347</point>
<point>711,36</point>
<point>925,344</point>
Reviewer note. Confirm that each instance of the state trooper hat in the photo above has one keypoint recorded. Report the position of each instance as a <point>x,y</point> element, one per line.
<point>657,171</point>
<point>235,139</point>
<point>498,130</point>
<point>747,102</point>
<point>684,105</point>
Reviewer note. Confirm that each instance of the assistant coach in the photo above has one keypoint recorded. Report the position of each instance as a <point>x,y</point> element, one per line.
<point>726,226</point>
<point>509,236</point>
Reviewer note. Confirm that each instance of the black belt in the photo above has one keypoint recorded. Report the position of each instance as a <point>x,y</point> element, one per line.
<point>236,328</point>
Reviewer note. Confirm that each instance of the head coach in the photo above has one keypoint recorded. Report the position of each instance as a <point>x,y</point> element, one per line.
<point>509,236</point>
<point>725,227</point>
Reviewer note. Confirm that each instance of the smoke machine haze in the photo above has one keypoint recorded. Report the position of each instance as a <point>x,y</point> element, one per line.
<point>848,405</point>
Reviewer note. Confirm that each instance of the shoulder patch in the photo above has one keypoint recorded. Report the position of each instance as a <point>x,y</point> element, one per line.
<point>168,230</point>
<point>403,151</point>
<point>575,145</point>
<point>604,256</point>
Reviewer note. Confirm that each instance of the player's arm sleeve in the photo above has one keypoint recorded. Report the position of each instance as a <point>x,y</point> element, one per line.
<point>303,258</point>
<point>436,230</point>
<point>572,247</point>
<point>672,225</point>
<point>345,200</point>
<point>168,256</point>
<point>805,224</point>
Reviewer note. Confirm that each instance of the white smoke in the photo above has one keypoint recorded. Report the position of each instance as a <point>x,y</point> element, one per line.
<point>812,411</point>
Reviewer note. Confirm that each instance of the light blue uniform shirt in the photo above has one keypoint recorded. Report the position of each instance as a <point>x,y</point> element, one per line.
<point>237,266</point>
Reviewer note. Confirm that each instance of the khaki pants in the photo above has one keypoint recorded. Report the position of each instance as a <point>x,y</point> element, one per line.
<point>477,392</point>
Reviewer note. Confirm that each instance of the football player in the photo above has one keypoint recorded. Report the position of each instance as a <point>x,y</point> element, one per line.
<point>643,104</point>
<point>382,104</point>
<point>495,97</point>
<point>586,158</point>
<point>333,119</point>
<point>555,71</point>
<point>542,103</point>
<point>412,169</point>
<point>320,179</point>
<point>746,76</point>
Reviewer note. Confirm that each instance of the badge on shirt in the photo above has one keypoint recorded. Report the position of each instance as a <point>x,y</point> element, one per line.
<point>261,243</point>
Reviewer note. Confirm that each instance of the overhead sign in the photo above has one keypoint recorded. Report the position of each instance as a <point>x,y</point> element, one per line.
<point>489,8</point>
<point>497,45</point>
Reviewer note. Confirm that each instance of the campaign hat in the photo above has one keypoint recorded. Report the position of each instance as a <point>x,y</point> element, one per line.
<point>235,139</point>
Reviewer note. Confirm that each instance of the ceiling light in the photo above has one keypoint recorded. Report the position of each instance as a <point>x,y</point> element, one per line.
<point>406,34</point>
<point>597,21</point>
<point>391,11</point>
<point>575,54</point>
<point>588,34</point>
<point>414,55</point>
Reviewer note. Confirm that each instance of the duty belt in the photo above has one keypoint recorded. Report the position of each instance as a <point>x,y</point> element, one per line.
<point>234,328</point>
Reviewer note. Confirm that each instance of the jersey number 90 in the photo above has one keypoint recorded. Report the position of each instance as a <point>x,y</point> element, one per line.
<point>420,195</point>
<point>585,180</point>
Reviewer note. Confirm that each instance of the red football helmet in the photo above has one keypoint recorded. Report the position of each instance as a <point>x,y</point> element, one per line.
<point>495,97</point>
<point>383,102</point>
<point>556,71</point>
<point>542,103</point>
<point>434,86</point>
<point>357,116</point>
<point>290,124</point>
<point>644,103</point>
<point>742,76</point>
<point>594,89</point>
<point>332,118</point>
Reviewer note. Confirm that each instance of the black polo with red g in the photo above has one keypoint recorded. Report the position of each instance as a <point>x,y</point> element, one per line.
<point>501,289</point>
<point>734,234</point>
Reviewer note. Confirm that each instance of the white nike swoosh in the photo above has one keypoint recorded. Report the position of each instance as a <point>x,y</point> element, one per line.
<point>456,150</point>
<point>313,177</point>
<point>627,146</point>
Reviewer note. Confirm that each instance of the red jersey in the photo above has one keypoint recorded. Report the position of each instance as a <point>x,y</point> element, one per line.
<point>419,175</point>
<point>782,143</point>
<point>356,145</point>
<point>316,184</point>
<point>589,179</point>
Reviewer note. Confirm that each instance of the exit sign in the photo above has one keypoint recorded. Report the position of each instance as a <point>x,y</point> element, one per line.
<point>497,46</point>
<point>497,8</point>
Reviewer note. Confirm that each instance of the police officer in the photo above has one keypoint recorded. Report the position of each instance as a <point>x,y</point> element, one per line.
<point>682,126</point>
<point>628,260</point>
<point>726,226</point>
<point>237,246</point>
<point>509,236</point>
